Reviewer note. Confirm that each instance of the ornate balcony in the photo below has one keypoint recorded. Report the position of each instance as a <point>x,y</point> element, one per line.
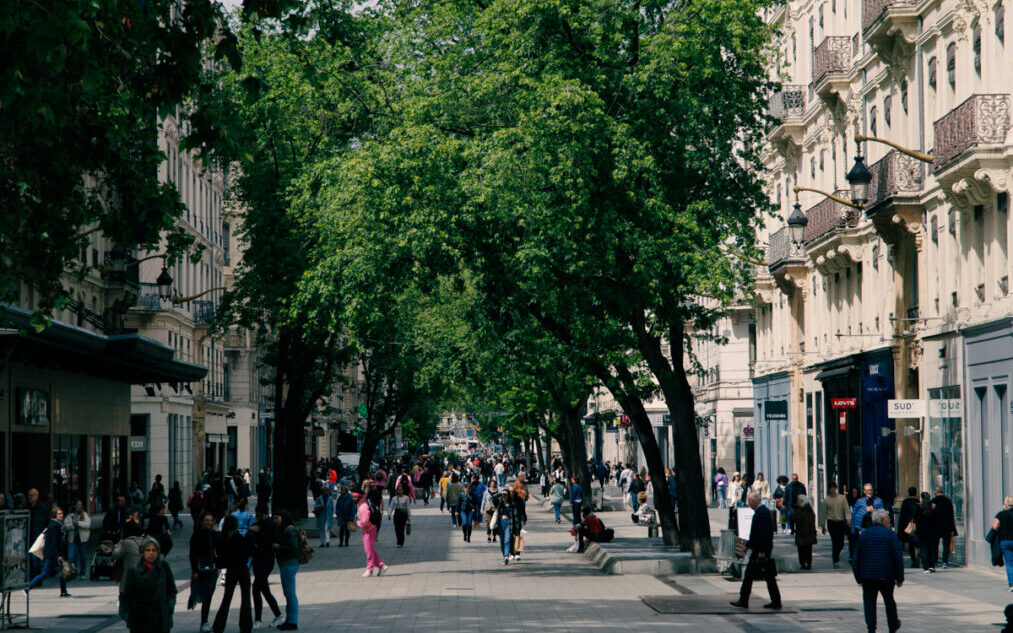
<point>203,312</point>
<point>784,259</point>
<point>890,28</point>
<point>829,234</point>
<point>788,108</point>
<point>971,158</point>
<point>897,182</point>
<point>831,64</point>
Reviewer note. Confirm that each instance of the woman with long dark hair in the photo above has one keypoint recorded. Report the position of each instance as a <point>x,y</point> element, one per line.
<point>400,508</point>
<point>203,568</point>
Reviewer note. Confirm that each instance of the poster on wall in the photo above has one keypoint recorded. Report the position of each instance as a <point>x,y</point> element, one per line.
<point>776,411</point>
<point>14,540</point>
<point>33,407</point>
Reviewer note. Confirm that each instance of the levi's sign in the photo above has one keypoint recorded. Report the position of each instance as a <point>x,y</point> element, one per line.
<point>844,403</point>
<point>905,408</point>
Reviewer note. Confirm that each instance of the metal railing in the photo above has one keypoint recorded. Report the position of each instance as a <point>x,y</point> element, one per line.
<point>895,174</point>
<point>203,312</point>
<point>781,249</point>
<point>828,216</point>
<point>872,10</point>
<point>789,102</point>
<point>832,55</point>
<point>981,119</point>
<point>148,297</point>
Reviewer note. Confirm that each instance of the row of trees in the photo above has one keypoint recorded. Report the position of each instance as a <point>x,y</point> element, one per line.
<point>501,203</point>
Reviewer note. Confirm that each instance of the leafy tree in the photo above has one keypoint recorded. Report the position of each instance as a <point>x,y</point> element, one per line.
<point>611,161</point>
<point>82,88</point>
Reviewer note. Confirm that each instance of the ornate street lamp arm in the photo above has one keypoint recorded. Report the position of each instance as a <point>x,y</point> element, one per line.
<point>178,300</point>
<point>922,156</point>
<point>847,203</point>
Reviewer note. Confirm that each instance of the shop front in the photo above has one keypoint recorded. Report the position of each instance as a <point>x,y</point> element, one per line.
<point>859,441</point>
<point>772,425</point>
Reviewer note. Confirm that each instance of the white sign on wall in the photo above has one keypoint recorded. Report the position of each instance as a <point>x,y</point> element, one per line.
<point>946,408</point>
<point>905,408</point>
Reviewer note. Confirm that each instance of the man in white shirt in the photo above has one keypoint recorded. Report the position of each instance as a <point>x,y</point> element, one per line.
<point>500,473</point>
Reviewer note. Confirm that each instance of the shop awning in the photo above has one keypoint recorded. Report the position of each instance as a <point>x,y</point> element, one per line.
<point>836,372</point>
<point>129,358</point>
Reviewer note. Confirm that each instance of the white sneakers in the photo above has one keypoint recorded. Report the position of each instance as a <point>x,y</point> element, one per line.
<point>257,624</point>
<point>367,573</point>
<point>572,548</point>
<point>278,621</point>
<point>205,628</point>
<point>383,570</point>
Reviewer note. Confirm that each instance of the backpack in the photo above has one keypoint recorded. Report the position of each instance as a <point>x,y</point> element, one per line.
<point>375,514</point>
<point>305,552</point>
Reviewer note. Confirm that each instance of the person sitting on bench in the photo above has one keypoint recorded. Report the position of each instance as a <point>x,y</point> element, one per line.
<point>591,528</point>
<point>645,512</point>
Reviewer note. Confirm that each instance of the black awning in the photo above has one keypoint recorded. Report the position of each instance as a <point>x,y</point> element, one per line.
<point>129,358</point>
<point>836,372</point>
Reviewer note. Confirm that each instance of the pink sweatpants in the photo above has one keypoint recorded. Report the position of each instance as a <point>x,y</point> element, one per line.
<point>369,544</point>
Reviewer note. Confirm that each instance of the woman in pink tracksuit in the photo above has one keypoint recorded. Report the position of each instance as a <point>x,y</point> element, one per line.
<point>371,502</point>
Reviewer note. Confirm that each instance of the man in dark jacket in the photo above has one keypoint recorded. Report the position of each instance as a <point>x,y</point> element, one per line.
<point>791,493</point>
<point>878,565</point>
<point>908,510</point>
<point>760,565</point>
<point>946,523</point>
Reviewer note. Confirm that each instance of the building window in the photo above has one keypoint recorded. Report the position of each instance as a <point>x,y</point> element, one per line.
<point>887,104</point>
<point>872,120</point>
<point>932,72</point>
<point>823,156</point>
<point>794,50</point>
<point>821,16</point>
<point>977,48</point>
<point>1000,23</point>
<point>951,64</point>
<point>903,95</point>
<point>812,167</point>
<point>833,6</point>
<point>934,229</point>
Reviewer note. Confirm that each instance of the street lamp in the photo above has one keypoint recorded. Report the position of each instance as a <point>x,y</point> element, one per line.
<point>164,283</point>
<point>797,222</point>
<point>859,178</point>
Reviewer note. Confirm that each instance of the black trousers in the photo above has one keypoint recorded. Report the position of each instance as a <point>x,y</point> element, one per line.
<point>929,550</point>
<point>756,569</point>
<point>912,549</point>
<point>262,590</point>
<point>871,588</point>
<point>235,576</point>
<point>343,534</point>
<point>836,530</point>
<point>400,520</point>
<point>947,539</point>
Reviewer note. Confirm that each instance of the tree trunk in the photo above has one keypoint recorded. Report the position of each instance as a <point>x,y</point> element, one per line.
<point>527,454</point>
<point>289,490</point>
<point>369,443</point>
<point>542,464</point>
<point>577,453</point>
<point>695,534</point>
<point>662,501</point>
<point>548,450</point>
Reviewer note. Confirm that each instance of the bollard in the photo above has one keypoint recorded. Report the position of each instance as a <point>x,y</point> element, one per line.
<point>652,530</point>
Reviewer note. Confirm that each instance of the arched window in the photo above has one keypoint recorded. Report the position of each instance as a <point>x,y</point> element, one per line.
<point>932,72</point>
<point>872,121</point>
<point>951,64</point>
<point>887,105</point>
<point>977,47</point>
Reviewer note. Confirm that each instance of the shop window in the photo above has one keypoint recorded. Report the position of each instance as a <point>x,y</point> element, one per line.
<point>951,64</point>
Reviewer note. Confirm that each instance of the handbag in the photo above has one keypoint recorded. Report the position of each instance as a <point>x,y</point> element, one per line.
<point>351,526</point>
<point>518,543</point>
<point>38,548</point>
<point>910,528</point>
<point>494,521</point>
<point>408,527</point>
<point>68,571</point>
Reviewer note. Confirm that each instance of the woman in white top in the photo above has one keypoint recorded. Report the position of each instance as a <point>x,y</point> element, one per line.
<point>762,487</point>
<point>400,507</point>
<point>735,491</point>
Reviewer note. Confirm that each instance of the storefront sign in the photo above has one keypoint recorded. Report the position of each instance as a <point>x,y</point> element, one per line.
<point>776,411</point>
<point>842,418</point>
<point>946,408</point>
<point>748,431</point>
<point>844,403</point>
<point>905,409</point>
<point>138,443</point>
<point>33,407</point>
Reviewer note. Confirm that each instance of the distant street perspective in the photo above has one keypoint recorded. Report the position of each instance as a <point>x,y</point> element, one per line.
<point>506,315</point>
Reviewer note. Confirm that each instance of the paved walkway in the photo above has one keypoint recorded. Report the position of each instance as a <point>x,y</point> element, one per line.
<point>438,583</point>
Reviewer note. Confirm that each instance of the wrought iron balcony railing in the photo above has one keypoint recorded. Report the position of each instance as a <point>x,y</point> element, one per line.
<point>895,174</point>
<point>980,120</point>
<point>872,10</point>
<point>203,311</point>
<point>828,216</point>
<point>147,296</point>
<point>789,102</point>
<point>832,55</point>
<point>780,248</point>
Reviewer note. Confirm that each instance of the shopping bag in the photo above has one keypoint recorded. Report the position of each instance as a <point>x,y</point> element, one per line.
<point>408,528</point>
<point>39,547</point>
<point>351,526</point>
<point>518,543</point>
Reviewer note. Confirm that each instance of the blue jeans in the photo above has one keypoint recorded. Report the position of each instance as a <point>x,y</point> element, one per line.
<point>504,536</point>
<point>555,507</point>
<point>50,565</point>
<point>575,506</point>
<point>288,571</point>
<point>1006,547</point>
<point>502,479</point>
<point>76,554</point>
<point>723,498</point>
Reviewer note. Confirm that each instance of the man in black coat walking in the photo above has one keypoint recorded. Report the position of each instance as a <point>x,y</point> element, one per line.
<point>946,523</point>
<point>760,565</point>
<point>908,511</point>
<point>792,492</point>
